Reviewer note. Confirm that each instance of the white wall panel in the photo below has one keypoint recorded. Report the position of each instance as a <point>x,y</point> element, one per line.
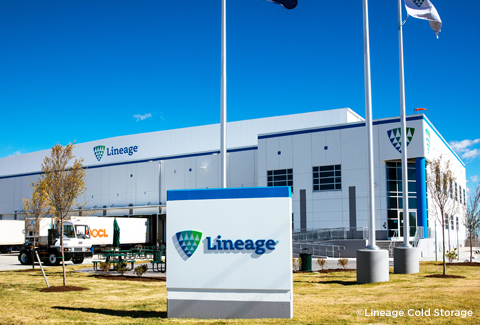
<point>241,169</point>
<point>302,152</point>
<point>285,146</point>
<point>318,149</point>
<point>273,159</point>
<point>333,155</point>
<point>206,171</point>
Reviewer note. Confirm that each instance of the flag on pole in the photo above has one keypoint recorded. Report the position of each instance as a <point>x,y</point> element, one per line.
<point>289,4</point>
<point>423,9</point>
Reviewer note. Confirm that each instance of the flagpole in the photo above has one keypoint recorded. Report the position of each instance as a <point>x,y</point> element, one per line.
<point>368,117</point>
<point>406,216</point>
<point>223,99</point>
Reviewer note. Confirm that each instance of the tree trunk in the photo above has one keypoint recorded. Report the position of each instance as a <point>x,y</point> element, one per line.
<point>471,246</point>
<point>33,252</point>
<point>63,254</point>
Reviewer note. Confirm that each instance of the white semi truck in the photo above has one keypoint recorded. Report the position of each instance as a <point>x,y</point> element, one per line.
<point>80,235</point>
<point>12,235</point>
<point>76,242</point>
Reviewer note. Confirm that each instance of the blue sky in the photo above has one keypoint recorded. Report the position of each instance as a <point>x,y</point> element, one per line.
<point>88,70</point>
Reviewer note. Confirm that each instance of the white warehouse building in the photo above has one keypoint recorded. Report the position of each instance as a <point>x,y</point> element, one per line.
<point>321,155</point>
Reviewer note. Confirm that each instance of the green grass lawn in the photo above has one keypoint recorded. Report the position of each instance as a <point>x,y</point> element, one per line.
<point>333,298</point>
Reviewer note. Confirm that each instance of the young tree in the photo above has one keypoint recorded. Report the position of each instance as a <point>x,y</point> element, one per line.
<point>64,183</point>
<point>471,218</point>
<point>36,209</point>
<point>440,180</point>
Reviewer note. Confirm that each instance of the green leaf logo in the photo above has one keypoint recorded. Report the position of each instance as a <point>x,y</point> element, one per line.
<point>98,151</point>
<point>395,136</point>
<point>188,240</point>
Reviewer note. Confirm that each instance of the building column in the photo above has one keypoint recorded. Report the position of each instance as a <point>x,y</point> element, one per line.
<point>421,194</point>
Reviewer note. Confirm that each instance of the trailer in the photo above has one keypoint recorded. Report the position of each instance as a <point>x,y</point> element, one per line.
<point>133,231</point>
<point>12,235</point>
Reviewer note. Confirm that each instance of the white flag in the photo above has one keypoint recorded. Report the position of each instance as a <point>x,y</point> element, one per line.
<point>423,9</point>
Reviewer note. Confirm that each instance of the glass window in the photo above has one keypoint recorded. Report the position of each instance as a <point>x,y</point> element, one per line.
<point>69,231</point>
<point>82,231</point>
<point>327,178</point>
<point>280,177</point>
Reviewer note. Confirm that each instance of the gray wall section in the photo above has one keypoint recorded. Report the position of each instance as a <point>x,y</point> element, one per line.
<point>227,309</point>
<point>303,209</point>
<point>352,206</point>
<point>351,246</point>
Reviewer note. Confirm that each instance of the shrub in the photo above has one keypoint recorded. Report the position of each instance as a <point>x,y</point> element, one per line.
<point>343,262</point>
<point>121,267</point>
<point>297,263</point>
<point>451,255</point>
<point>321,262</point>
<point>104,266</point>
<point>141,269</point>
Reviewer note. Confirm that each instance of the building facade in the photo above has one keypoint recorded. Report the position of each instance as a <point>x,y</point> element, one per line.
<point>321,155</point>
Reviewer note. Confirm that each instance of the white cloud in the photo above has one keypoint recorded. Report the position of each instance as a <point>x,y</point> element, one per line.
<point>464,148</point>
<point>142,117</point>
<point>474,178</point>
<point>16,153</point>
<point>471,154</point>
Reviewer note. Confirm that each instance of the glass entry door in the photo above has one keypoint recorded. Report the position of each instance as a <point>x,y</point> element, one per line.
<point>395,223</point>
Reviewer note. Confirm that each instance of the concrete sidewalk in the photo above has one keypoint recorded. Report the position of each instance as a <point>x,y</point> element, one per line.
<point>463,256</point>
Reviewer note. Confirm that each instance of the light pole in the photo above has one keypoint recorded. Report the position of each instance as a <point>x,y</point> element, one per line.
<point>372,262</point>
<point>406,259</point>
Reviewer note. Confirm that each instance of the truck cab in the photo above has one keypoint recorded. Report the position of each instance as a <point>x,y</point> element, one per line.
<point>76,245</point>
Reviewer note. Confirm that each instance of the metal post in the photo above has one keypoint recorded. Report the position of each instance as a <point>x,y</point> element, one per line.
<point>41,267</point>
<point>368,122</point>
<point>223,99</point>
<point>406,216</point>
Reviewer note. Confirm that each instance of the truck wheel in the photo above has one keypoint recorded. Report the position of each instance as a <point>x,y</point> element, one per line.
<point>77,260</point>
<point>25,258</point>
<point>53,259</point>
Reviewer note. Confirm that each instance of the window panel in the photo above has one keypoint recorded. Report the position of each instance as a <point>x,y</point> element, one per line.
<point>280,177</point>
<point>329,178</point>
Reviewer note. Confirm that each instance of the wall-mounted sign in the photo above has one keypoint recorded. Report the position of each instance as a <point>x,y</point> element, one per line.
<point>99,151</point>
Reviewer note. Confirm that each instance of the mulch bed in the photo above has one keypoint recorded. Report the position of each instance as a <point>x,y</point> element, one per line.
<point>446,276</point>
<point>131,278</point>
<point>463,264</point>
<point>336,270</point>
<point>327,271</point>
<point>63,289</point>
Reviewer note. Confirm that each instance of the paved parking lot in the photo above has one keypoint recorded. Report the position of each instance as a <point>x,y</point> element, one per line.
<point>11,262</point>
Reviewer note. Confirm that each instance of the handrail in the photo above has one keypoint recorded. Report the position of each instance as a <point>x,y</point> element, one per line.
<point>317,248</point>
<point>331,233</point>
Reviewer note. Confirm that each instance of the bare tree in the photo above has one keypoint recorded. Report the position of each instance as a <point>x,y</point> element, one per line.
<point>64,183</point>
<point>36,209</point>
<point>440,180</point>
<point>471,218</point>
